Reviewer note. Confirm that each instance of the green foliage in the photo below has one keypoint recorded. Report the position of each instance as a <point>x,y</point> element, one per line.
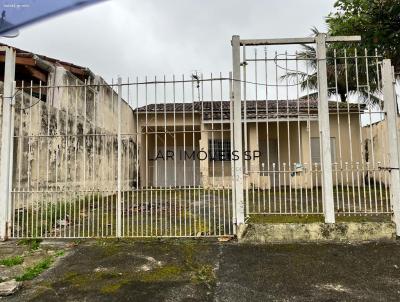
<point>377,21</point>
<point>46,217</point>
<point>348,76</point>
<point>33,244</point>
<point>34,271</point>
<point>60,253</point>
<point>12,261</point>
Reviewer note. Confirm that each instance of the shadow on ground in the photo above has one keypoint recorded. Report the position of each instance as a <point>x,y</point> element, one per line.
<point>192,270</point>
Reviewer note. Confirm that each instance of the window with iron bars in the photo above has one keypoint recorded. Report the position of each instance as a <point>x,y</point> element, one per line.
<point>219,150</point>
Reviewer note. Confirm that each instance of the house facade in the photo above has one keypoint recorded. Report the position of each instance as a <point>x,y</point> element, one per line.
<point>185,144</point>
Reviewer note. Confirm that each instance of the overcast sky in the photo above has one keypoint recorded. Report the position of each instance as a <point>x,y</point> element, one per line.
<point>156,37</point>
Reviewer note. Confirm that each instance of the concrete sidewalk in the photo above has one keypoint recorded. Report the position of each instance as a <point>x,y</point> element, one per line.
<point>198,270</point>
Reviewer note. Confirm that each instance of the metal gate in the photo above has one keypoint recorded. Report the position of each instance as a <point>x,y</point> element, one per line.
<point>141,158</point>
<point>323,119</point>
<point>299,133</point>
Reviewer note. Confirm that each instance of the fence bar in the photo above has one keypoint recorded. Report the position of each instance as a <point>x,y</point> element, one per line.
<point>391,111</point>
<point>7,133</point>
<point>323,110</point>
<point>237,130</point>
<point>119,172</point>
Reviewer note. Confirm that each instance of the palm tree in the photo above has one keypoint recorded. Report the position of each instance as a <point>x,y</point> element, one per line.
<point>348,77</point>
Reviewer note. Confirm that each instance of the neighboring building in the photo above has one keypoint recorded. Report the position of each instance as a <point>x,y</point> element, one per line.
<point>204,126</point>
<point>375,138</point>
<point>66,127</point>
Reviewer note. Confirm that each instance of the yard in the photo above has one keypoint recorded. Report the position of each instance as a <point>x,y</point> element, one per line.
<point>183,212</point>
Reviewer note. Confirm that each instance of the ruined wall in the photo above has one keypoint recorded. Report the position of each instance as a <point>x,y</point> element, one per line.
<point>66,137</point>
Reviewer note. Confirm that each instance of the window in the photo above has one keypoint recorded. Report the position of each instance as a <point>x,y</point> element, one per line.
<point>315,150</point>
<point>219,150</point>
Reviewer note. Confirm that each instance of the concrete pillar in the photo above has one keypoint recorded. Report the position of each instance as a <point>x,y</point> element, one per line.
<point>324,127</point>
<point>390,99</point>
<point>7,133</point>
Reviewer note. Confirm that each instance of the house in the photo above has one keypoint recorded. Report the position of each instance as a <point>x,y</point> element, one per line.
<point>281,139</point>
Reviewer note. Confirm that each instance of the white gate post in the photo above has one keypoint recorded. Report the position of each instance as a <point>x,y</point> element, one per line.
<point>237,135</point>
<point>119,168</point>
<point>325,140</point>
<point>390,103</point>
<point>7,134</point>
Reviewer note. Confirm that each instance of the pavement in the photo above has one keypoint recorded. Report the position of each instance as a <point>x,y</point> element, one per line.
<point>208,270</point>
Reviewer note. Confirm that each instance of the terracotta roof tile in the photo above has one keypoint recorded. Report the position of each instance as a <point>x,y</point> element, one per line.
<point>280,108</point>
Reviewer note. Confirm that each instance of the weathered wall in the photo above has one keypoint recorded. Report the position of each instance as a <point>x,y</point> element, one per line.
<point>68,139</point>
<point>376,144</point>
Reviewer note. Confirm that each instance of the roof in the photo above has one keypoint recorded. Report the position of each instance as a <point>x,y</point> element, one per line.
<point>30,60</point>
<point>254,109</point>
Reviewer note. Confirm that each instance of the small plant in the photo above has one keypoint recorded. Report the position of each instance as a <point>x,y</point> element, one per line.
<point>33,244</point>
<point>12,261</point>
<point>204,274</point>
<point>60,253</point>
<point>52,215</point>
<point>34,271</point>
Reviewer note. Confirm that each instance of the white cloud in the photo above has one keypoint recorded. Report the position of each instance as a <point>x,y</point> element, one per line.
<point>153,37</point>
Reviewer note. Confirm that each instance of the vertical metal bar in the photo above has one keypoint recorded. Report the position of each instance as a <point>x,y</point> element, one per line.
<point>233,196</point>
<point>277,173</point>
<point>65,186</point>
<point>20,155</point>
<point>246,167</point>
<point>7,133</point>
<point>323,118</point>
<point>76,146</point>
<point>137,192</point>
<point>391,111</point>
<point>222,162</point>
<point>155,170</point>
<point>267,128</point>
<point>119,201</point>
<point>237,123</point>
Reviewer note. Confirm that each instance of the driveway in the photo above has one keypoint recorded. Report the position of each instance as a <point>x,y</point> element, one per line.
<point>208,270</point>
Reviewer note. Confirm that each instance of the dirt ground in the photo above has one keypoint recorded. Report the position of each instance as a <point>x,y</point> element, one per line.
<point>207,270</point>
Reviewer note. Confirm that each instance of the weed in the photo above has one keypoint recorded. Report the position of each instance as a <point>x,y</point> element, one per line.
<point>12,261</point>
<point>60,253</point>
<point>34,271</point>
<point>33,244</point>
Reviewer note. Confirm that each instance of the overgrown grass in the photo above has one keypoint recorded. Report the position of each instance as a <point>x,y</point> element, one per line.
<point>34,271</point>
<point>261,218</point>
<point>12,261</point>
<point>33,244</point>
<point>45,215</point>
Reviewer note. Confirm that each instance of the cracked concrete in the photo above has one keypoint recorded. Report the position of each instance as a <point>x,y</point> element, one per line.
<point>207,270</point>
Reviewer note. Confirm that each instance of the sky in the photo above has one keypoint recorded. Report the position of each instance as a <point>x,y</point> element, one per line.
<point>131,38</point>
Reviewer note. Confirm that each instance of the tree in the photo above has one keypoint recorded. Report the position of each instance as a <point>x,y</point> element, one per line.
<point>344,76</point>
<point>377,21</point>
